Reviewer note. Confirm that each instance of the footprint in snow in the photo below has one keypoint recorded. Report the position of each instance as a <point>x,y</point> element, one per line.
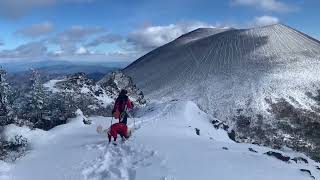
<point>118,162</point>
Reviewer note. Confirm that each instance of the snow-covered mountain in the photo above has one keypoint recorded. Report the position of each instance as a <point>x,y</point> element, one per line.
<point>264,82</point>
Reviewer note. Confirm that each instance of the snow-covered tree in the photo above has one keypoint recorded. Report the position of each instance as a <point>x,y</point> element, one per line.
<point>68,104</point>
<point>61,107</point>
<point>36,98</point>
<point>6,111</point>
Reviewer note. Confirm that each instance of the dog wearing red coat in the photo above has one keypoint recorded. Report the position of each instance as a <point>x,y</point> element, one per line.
<point>119,128</point>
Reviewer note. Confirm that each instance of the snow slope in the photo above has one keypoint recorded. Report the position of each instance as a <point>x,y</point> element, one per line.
<point>164,146</point>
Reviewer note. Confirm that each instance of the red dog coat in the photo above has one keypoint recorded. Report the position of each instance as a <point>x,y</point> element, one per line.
<point>118,128</point>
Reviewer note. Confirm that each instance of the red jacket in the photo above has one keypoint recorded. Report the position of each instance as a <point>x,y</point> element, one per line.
<point>121,104</point>
<point>118,128</point>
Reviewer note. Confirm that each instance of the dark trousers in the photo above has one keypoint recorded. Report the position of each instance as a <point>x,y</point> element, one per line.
<point>123,118</point>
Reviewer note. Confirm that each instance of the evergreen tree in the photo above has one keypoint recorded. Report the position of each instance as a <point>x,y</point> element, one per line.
<point>36,98</point>
<point>68,104</point>
<point>6,112</point>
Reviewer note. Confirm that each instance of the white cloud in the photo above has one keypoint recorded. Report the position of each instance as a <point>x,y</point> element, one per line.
<point>93,57</point>
<point>105,39</point>
<point>78,33</point>
<point>151,37</point>
<point>79,42</point>
<point>268,5</point>
<point>18,8</point>
<point>265,20</point>
<point>36,30</point>
<point>69,44</point>
<point>28,50</point>
<point>37,51</point>
<point>70,38</point>
<point>82,50</point>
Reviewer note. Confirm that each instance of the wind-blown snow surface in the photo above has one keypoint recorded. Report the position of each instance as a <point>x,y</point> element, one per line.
<point>164,145</point>
<point>243,74</point>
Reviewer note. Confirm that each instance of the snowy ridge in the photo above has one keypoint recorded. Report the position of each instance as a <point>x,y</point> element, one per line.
<point>198,34</point>
<point>165,145</point>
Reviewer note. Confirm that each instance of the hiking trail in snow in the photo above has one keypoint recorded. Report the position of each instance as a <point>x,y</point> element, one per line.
<point>118,161</point>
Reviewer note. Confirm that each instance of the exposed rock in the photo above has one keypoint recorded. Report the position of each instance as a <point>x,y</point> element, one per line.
<point>314,97</point>
<point>75,82</point>
<point>197,131</point>
<point>218,124</point>
<point>307,172</point>
<point>225,148</point>
<point>291,126</point>
<point>114,82</point>
<point>278,156</point>
<point>242,121</point>
<point>232,135</point>
<point>301,124</point>
<point>299,159</point>
<point>87,121</point>
<point>174,100</point>
<point>215,123</point>
<point>252,150</point>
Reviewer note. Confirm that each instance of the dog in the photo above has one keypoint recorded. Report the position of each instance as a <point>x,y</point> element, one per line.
<point>119,128</point>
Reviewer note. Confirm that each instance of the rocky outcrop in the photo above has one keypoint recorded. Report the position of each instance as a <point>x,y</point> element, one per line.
<point>300,160</point>
<point>252,150</point>
<point>78,92</point>
<point>114,82</point>
<point>278,156</point>
<point>308,172</point>
<point>292,126</point>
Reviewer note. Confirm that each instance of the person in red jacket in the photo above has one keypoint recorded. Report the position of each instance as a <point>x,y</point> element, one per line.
<point>121,105</point>
<point>119,128</point>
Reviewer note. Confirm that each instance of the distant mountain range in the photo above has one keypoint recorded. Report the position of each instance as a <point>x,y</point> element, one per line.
<point>19,72</point>
<point>55,66</point>
<point>264,82</point>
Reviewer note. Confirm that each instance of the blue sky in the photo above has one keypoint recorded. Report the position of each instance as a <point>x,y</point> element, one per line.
<point>106,30</point>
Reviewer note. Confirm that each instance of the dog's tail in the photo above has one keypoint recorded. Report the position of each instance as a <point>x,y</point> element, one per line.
<point>129,133</point>
<point>99,129</point>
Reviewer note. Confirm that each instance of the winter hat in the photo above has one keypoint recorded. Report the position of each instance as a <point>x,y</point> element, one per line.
<point>123,92</point>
